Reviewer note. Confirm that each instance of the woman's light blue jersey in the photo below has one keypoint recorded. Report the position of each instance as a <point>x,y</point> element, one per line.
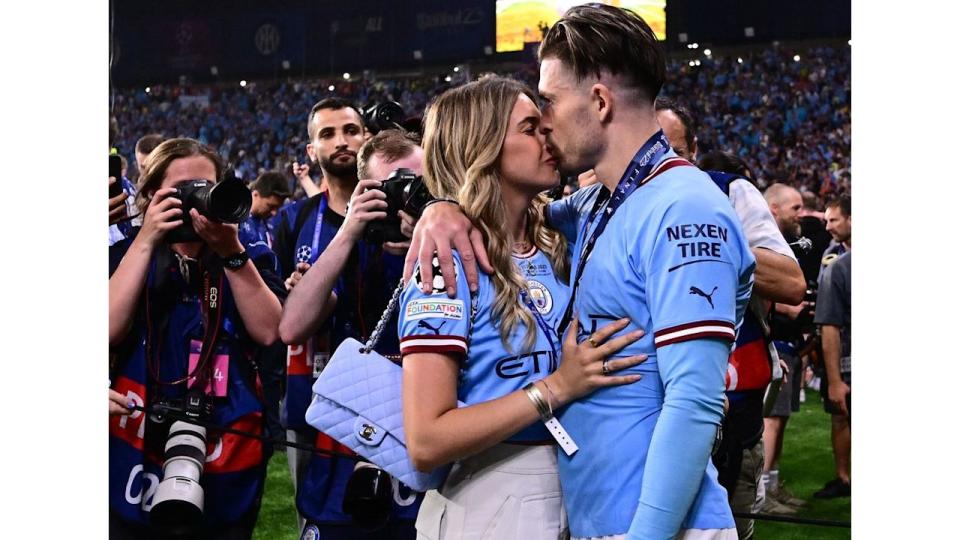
<point>439,324</point>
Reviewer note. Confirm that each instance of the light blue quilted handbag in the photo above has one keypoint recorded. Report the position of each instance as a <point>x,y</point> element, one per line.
<point>357,401</point>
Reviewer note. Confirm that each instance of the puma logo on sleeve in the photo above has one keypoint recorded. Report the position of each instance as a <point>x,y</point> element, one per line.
<point>436,331</point>
<point>709,297</point>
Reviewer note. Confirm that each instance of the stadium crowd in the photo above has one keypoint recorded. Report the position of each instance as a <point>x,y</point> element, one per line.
<point>788,119</point>
<point>772,128</point>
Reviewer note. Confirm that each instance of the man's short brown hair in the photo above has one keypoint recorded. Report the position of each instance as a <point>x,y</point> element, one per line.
<point>390,144</point>
<point>333,103</point>
<point>842,202</point>
<point>271,183</point>
<point>594,38</point>
<point>147,143</point>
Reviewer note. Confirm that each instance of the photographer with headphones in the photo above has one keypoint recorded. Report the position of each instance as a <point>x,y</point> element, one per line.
<point>189,303</point>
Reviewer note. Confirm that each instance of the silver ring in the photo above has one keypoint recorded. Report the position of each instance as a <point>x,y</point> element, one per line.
<point>604,368</point>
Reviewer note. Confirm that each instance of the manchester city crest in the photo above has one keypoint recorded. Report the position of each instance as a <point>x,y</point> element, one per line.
<point>541,296</point>
<point>310,532</point>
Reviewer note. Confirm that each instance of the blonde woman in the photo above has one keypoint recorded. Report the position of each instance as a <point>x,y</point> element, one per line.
<point>496,351</point>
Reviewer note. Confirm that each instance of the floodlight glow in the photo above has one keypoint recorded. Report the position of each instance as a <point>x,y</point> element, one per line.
<point>243,84</point>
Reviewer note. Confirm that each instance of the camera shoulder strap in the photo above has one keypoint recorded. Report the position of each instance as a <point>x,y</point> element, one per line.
<point>211,309</point>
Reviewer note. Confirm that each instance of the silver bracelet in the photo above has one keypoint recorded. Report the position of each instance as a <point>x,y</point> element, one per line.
<point>536,397</point>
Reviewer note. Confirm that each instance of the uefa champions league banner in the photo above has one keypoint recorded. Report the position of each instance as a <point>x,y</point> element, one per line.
<point>389,33</point>
<point>312,38</point>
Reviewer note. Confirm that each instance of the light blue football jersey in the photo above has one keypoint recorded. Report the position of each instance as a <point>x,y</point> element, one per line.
<point>673,259</point>
<point>440,324</point>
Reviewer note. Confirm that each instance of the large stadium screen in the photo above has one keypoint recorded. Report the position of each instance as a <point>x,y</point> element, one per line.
<point>519,21</point>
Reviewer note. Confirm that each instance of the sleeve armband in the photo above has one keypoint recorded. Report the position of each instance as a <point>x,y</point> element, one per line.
<point>694,330</point>
<point>456,345</point>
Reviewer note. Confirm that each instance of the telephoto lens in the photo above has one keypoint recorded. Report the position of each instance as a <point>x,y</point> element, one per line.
<point>227,201</point>
<point>178,503</point>
<point>381,116</point>
<point>368,496</point>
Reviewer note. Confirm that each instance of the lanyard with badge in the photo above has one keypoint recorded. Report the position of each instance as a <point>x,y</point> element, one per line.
<point>316,353</point>
<point>207,366</point>
<point>553,425</point>
<point>314,253</point>
<point>636,175</point>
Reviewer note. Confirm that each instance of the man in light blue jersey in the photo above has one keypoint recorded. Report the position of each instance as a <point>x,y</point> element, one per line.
<point>654,241</point>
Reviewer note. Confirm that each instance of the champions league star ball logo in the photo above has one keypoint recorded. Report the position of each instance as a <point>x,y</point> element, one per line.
<point>303,254</point>
<point>439,285</point>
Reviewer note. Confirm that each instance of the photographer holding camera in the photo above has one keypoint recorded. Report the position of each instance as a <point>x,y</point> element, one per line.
<point>362,274</point>
<point>189,303</point>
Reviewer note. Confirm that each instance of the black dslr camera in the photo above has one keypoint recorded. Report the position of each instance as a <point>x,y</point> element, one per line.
<point>381,116</point>
<point>405,191</point>
<point>227,201</point>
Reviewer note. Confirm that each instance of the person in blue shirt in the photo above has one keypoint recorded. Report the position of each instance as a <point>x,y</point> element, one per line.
<point>123,213</point>
<point>497,349</point>
<point>269,191</point>
<point>654,241</point>
<point>183,313</point>
<point>340,289</point>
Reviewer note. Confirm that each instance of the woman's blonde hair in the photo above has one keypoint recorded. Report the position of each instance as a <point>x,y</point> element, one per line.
<point>464,132</point>
<point>160,159</point>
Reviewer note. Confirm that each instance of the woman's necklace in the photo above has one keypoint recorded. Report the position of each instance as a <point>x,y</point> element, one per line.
<point>522,248</point>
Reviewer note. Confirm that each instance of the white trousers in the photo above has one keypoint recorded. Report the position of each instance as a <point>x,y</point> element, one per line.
<point>507,492</point>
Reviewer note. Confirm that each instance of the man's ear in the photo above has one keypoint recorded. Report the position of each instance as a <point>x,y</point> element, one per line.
<point>311,153</point>
<point>601,99</point>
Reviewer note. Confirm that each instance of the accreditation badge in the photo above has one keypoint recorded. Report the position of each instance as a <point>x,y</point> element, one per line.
<point>320,352</point>
<point>217,385</point>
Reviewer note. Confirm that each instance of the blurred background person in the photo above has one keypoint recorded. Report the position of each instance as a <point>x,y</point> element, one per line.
<point>833,317</point>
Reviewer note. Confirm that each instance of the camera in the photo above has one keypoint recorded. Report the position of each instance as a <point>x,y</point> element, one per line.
<point>227,201</point>
<point>405,191</point>
<point>381,116</point>
<point>177,510</point>
<point>368,496</point>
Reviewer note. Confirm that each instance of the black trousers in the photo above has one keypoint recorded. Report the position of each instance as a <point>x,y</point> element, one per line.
<point>272,363</point>
<point>241,530</point>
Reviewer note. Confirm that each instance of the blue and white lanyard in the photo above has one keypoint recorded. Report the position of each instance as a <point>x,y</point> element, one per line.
<point>317,231</point>
<point>636,174</point>
<point>549,332</point>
